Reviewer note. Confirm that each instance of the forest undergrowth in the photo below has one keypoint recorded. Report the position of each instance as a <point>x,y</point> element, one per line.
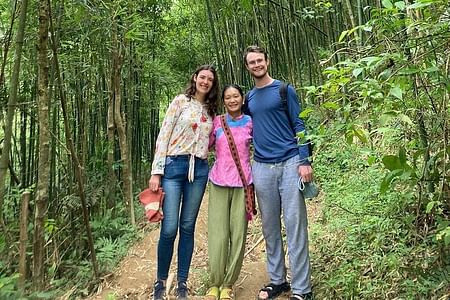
<point>365,243</point>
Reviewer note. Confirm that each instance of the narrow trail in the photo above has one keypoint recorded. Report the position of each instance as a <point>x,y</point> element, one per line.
<point>133,278</point>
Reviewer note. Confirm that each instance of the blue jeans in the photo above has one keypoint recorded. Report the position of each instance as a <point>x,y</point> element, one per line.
<point>181,205</point>
<point>278,194</point>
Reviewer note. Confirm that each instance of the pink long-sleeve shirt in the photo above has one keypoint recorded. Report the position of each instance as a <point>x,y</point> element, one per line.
<point>224,171</point>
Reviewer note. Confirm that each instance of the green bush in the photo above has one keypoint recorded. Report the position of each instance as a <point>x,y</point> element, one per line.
<point>366,245</point>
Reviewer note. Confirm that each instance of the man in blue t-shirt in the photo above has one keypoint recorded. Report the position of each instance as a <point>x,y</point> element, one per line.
<point>279,162</point>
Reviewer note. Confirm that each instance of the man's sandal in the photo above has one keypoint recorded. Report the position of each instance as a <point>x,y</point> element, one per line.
<point>213,293</point>
<point>274,290</point>
<point>226,294</point>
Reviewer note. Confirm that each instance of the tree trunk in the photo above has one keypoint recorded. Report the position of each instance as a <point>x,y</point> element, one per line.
<point>44,149</point>
<point>120,123</point>
<point>360,21</point>
<point>111,146</point>
<point>213,30</point>
<point>23,240</point>
<point>351,16</point>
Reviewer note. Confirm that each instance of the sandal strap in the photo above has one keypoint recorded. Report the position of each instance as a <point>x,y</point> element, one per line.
<point>274,290</point>
<point>213,292</point>
<point>267,289</point>
<point>226,293</point>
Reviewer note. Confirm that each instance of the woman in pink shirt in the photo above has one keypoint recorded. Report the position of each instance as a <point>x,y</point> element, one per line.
<point>227,217</point>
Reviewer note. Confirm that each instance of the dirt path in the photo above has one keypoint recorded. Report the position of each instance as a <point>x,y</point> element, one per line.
<point>134,277</point>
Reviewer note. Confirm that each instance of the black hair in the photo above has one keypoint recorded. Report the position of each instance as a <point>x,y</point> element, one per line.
<point>226,87</point>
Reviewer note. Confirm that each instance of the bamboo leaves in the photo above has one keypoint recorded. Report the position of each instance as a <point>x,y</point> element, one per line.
<point>387,4</point>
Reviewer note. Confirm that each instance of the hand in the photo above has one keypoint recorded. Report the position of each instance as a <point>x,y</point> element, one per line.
<point>154,182</point>
<point>305,172</point>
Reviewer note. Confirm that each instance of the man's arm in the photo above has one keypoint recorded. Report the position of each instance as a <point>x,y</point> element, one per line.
<point>294,109</point>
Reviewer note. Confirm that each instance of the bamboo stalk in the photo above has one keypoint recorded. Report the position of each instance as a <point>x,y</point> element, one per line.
<point>261,238</point>
<point>73,153</point>
<point>169,282</point>
<point>12,100</point>
<point>23,240</point>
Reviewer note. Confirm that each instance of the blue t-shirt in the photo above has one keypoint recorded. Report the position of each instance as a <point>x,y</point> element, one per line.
<point>274,138</point>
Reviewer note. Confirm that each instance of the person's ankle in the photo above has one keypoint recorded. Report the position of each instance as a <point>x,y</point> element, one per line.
<point>159,290</point>
<point>182,290</point>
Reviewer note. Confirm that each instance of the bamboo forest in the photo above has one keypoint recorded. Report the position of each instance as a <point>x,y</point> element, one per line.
<point>84,88</point>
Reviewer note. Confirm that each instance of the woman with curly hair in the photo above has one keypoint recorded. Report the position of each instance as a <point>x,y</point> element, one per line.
<point>180,166</point>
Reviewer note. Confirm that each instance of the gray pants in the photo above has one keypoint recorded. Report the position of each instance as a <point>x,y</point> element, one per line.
<point>277,192</point>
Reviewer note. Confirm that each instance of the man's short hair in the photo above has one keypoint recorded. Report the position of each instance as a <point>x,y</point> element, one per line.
<point>254,49</point>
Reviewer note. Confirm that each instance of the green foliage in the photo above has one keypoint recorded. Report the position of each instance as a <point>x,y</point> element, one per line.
<point>9,290</point>
<point>113,236</point>
<point>365,245</point>
<point>8,286</point>
<point>399,168</point>
<point>108,226</point>
<point>203,281</point>
<point>381,98</point>
<point>385,228</point>
<point>111,296</point>
<point>109,252</point>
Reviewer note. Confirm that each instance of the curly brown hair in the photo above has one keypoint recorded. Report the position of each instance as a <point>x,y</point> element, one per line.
<point>212,98</point>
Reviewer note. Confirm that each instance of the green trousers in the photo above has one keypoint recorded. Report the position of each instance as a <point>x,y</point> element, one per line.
<point>227,230</point>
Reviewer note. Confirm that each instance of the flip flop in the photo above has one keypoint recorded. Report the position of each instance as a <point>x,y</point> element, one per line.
<point>226,294</point>
<point>212,294</point>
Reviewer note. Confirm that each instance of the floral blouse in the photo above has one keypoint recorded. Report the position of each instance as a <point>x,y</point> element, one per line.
<point>185,130</point>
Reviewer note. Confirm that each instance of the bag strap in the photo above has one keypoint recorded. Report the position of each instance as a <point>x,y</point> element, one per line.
<point>284,100</point>
<point>233,149</point>
<point>283,95</point>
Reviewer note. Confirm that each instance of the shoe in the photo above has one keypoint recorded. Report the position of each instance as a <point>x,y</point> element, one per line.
<point>274,290</point>
<point>212,294</point>
<point>308,296</point>
<point>182,291</point>
<point>226,294</point>
<point>159,290</point>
